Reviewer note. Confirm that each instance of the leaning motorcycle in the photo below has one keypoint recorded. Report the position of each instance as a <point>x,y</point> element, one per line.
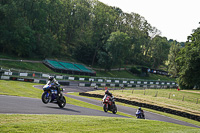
<point>51,95</point>
<point>140,115</point>
<point>109,104</point>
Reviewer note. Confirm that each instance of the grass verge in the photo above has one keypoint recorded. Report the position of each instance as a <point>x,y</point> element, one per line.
<point>38,67</point>
<point>77,124</point>
<point>126,74</point>
<point>18,88</point>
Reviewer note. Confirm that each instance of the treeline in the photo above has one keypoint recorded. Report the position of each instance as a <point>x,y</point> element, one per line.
<point>95,34</point>
<point>87,30</point>
<point>184,62</point>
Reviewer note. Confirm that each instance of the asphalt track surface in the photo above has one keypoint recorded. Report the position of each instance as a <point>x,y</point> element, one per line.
<point>22,105</point>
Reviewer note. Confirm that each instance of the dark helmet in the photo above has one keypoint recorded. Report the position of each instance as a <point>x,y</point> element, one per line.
<point>139,108</point>
<point>107,92</point>
<point>50,78</point>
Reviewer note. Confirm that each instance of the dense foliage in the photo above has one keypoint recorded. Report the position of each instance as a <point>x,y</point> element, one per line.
<point>189,62</point>
<point>173,67</point>
<point>184,61</point>
<point>134,70</point>
<point>87,30</point>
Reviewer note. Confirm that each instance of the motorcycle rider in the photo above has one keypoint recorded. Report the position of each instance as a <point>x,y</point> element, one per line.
<point>56,84</point>
<point>140,111</point>
<point>109,94</point>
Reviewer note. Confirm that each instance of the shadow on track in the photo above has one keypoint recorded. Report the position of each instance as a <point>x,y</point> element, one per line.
<point>65,109</point>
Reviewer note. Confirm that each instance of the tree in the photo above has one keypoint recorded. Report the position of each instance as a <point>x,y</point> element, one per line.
<point>173,67</point>
<point>103,22</point>
<point>189,62</point>
<point>118,48</point>
<point>81,29</point>
<point>160,51</point>
<point>105,60</point>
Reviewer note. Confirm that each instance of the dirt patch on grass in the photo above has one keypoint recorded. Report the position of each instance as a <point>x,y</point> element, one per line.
<point>191,91</point>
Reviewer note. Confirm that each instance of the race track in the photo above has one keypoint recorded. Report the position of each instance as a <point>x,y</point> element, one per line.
<point>21,105</point>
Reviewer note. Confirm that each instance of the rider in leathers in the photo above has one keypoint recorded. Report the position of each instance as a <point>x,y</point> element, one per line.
<point>140,111</point>
<point>56,84</point>
<point>109,94</point>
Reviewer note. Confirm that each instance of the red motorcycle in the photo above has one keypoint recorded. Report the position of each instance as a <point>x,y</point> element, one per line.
<point>109,104</point>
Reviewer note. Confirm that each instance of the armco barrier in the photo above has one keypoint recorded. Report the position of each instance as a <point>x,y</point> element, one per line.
<point>63,83</point>
<point>150,106</point>
<point>42,81</point>
<point>107,80</point>
<point>124,85</point>
<point>5,77</point>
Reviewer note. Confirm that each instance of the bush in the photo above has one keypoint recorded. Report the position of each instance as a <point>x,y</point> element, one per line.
<point>134,70</point>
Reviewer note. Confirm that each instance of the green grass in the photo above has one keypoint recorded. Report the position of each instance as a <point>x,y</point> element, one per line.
<point>167,93</point>
<point>18,88</point>
<point>120,74</point>
<point>126,74</point>
<point>38,67</point>
<point>77,124</point>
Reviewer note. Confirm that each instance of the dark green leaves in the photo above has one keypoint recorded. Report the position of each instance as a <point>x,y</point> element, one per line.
<point>189,62</point>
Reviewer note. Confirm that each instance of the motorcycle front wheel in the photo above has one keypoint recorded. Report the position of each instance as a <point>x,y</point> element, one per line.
<point>46,97</point>
<point>61,102</point>
<point>105,107</point>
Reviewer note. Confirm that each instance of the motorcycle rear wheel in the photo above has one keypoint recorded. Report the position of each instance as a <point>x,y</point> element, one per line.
<point>61,102</point>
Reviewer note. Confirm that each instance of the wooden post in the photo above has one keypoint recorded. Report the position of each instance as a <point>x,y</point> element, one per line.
<point>132,91</point>
<point>169,95</point>
<point>156,94</point>
<point>183,98</point>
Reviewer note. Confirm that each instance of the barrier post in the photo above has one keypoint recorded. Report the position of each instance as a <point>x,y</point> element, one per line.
<point>156,94</point>
<point>169,95</point>
<point>183,98</point>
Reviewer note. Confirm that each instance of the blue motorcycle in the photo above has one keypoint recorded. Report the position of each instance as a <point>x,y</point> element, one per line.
<point>51,95</point>
<point>140,115</point>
